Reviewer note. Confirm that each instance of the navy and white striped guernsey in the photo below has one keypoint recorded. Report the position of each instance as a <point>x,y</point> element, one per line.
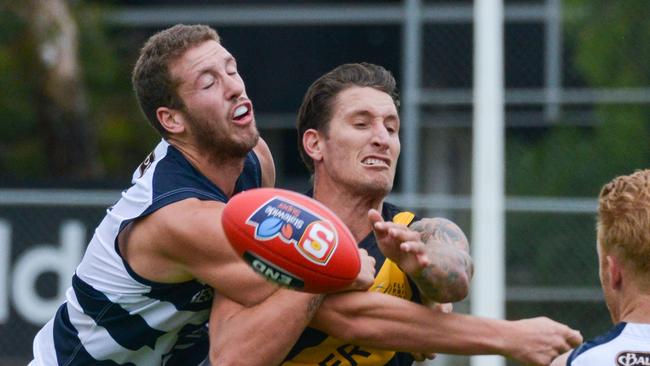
<point>111,315</point>
<point>626,344</point>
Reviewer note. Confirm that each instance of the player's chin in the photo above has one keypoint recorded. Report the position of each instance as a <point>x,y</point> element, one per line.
<point>238,147</point>
<point>248,139</point>
<point>377,187</point>
<point>384,181</point>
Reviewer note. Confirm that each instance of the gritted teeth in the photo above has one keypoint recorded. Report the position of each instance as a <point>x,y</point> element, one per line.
<point>240,111</point>
<point>374,161</point>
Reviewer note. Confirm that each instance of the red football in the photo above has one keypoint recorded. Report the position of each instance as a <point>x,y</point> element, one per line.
<point>291,239</point>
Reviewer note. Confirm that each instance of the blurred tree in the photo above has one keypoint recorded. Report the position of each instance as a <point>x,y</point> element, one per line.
<point>608,49</point>
<point>19,152</point>
<point>67,114</point>
<point>608,42</point>
<point>60,99</point>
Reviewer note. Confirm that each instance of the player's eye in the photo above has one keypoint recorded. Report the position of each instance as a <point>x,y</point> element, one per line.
<point>360,123</point>
<point>231,67</point>
<point>206,81</point>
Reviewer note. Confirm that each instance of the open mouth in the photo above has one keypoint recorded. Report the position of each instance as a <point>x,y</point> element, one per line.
<point>375,162</point>
<point>242,113</point>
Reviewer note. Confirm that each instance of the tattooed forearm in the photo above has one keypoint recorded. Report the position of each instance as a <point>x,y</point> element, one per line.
<point>314,304</point>
<point>446,278</point>
<point>442,280</point>
<point>441,230</point>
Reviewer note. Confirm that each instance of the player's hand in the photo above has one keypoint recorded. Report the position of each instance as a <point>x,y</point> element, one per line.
<point>366,275</point>
<point>539,340</point>
<point>443,308</point>
<point>399,243</point>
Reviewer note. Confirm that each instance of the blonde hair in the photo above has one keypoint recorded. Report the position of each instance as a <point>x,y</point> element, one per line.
<point>624,219</point>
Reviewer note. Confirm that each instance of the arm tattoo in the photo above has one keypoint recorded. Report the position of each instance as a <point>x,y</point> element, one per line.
<point>447,277</point>
<point>441,230</point>
<point>314,304</point>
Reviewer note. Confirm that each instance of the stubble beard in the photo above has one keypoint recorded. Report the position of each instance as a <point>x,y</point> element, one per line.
<point>217,145</point>
<point>376,188</point>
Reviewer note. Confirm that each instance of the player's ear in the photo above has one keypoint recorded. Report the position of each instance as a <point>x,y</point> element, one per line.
<point>170,119</point>
<point>312,144</point>
<point>615,272</point>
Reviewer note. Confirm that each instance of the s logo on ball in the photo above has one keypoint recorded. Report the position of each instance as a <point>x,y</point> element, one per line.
<point>318,242</point>
<point>280,217</point>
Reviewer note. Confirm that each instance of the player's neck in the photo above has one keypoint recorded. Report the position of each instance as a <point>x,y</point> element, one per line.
<point>351,207</point>
<point>635,308</point>
<point>223,172</point>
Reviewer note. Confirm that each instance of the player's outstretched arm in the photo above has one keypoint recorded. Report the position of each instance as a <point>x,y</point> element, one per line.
<point>190,244</point>
<point>433,252</point>
<point>382,321</point>
<point>260,335</point>
<point>185,240</point>
<point>263,334</point>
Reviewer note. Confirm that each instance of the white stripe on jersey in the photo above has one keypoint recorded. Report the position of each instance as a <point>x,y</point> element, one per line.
<point>102,266</point>
<point>45,354</point>
<point>99,344</point>
<point>108,287</point>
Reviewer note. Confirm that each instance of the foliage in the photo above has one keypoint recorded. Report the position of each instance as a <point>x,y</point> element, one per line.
<point>611,39</point>
<point>123,135</point>
<point>19,150</point>
<point>577,161</point>
<point>608,42</point>
<point>610,51</point>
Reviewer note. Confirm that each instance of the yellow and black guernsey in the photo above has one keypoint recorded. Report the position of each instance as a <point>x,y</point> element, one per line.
<point>316,348</point>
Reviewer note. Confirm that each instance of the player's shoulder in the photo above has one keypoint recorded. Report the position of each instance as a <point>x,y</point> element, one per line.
<point>179,231</point>
<point>561,360</point>
<point>191,209</point>
<point>392,212</point>
<point>262,154</point>
<point>602,347</point>
<point>183,218</point>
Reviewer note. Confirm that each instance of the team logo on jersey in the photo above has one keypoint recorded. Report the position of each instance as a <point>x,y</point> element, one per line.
<point>630,358</point>
<point>313,236</point>
<point>204,295</point>
<point>146,163</point>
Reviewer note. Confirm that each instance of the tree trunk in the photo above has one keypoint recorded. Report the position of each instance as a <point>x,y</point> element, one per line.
<point>69,136</point>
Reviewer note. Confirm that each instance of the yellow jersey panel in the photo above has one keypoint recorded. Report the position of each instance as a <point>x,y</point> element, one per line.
<point>332,351</point>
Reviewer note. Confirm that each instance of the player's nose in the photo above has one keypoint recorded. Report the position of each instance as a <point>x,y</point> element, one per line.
<point>233,87</point>
<point>380,136</point>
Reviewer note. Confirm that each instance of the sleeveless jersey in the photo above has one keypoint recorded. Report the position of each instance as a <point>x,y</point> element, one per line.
<point>316,348</point>
<point>111,315</point>
<point>626,344</point>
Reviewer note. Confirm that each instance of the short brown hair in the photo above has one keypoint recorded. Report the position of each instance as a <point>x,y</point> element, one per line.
<point>624,219</point>
<point>152,82</point>
<point>317,105</point>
